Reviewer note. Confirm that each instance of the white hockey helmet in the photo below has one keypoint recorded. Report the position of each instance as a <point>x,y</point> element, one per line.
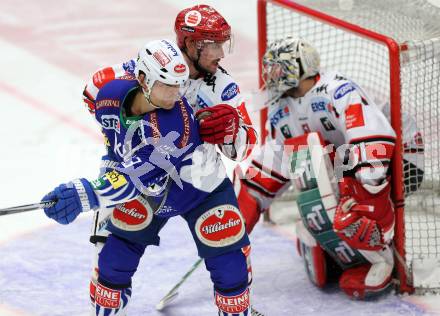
<point>287,61</point>
<point>161,60</point>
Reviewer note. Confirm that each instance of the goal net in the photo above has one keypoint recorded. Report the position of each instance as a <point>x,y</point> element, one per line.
<point>392,49</point>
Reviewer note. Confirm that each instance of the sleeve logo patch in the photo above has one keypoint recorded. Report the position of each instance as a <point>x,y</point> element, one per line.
<point>354,116</point>
<point>230,91</point>
<point>98,183</point>
<point>343,90</point>
<point>220,226</point>
<point>111,122</point>
<point>116,179</point>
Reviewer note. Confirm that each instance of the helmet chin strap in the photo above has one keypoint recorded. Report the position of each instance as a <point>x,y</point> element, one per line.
<point>147,95</point>
<point>196,63</point>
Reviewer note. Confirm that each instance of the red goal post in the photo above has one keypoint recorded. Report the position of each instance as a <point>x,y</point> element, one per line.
<point>372,57</point>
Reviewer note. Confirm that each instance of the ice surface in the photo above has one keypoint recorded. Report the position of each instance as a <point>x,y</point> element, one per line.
<point>48,51</point>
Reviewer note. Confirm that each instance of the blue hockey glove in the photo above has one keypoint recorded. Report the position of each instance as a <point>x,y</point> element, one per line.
<point>71,199</point>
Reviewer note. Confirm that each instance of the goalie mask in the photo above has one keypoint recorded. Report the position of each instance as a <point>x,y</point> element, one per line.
<point>162,61</point>
<point>288,61</point>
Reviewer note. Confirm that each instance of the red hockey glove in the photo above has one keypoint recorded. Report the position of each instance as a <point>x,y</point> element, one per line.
<point>218,124</point>
<point>362,217</point>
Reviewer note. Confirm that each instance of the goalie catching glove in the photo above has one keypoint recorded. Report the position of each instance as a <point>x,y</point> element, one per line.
<point>218,124</point>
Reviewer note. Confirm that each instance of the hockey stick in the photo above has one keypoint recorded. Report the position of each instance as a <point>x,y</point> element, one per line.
<point>171,295</point>
<point>25,208</point>
<point>254,312</point>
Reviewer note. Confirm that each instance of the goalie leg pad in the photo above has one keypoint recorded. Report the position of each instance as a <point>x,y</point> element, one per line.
<point>231,275</point>
<point>315,263</point>
<point>369,280</point>
<point>353,282</point>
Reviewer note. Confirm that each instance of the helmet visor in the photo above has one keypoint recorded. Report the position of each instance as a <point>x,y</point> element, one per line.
<point>216,49</point>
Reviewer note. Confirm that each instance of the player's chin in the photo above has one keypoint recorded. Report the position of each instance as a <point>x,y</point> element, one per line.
<point>168,105</point>
<point>213,66</point>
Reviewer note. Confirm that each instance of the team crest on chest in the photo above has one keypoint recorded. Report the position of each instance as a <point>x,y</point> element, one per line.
<point>220,226</point>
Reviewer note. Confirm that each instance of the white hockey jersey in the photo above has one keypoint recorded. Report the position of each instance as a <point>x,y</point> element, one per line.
<point>344,114</point>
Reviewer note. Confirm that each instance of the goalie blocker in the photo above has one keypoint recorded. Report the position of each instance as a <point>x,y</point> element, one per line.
<point>351,233</point>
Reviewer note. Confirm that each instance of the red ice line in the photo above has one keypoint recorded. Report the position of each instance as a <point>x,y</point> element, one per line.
<point>46,109</point>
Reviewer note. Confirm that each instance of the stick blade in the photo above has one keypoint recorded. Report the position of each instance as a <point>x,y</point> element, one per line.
<point>166,300</point>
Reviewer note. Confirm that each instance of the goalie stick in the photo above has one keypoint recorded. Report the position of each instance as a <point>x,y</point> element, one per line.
<point>26,208</point>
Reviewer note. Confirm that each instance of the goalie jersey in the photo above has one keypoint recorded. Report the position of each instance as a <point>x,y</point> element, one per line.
<point>346,117</point>
<point>159,154</point>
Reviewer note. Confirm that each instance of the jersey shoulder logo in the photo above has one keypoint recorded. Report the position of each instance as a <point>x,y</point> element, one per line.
<point>111,122</point>
<point>230,91</point>
<point>343,90</point>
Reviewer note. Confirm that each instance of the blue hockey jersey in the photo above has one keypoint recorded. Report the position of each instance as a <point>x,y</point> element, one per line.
<point>159,155</point>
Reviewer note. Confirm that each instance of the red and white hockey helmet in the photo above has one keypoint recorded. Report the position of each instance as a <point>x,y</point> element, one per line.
<point>202,23</point>
<point>287,61</point>
<point>161,60</point>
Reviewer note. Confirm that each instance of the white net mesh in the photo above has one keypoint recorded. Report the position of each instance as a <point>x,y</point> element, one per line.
<point>415,24</point>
